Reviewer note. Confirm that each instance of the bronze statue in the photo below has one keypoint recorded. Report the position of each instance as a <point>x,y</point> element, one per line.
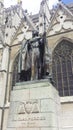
<point>31,60</point>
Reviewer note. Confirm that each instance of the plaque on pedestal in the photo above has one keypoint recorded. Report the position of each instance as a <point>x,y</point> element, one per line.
<point>34,106</point>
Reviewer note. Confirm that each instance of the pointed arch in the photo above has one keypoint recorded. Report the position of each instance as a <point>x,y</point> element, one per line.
<point>61,39</point>
<point>62,67</point>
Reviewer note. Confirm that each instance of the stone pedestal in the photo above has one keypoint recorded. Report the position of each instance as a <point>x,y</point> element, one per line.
<point>34,106</point>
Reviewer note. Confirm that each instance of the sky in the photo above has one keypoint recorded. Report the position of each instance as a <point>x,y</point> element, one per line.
<point>33,6</point>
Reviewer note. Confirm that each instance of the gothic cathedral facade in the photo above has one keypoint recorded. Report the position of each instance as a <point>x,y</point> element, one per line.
<point>33,47</point>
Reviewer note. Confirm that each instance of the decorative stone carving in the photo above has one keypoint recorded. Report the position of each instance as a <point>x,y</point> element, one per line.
<point>28,107</point>
<point>61,21</point>
<point>21,109</point>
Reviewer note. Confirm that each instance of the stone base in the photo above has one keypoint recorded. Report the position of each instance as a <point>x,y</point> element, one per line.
<point>34,106</point>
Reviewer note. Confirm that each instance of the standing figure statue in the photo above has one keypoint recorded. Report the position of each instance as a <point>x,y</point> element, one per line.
<point>24,65</point>
<point>31,60</point>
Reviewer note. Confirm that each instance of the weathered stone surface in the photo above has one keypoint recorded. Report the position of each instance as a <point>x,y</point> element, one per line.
<point>34,106</point>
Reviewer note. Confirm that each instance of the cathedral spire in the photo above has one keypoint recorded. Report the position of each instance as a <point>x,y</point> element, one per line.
<point>44,16</point>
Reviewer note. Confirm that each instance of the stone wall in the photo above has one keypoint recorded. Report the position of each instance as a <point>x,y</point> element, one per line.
<point>67,113</point>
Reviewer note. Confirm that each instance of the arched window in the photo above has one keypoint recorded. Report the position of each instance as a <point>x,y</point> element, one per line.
<point>15,76</point>
<point>62,68</point>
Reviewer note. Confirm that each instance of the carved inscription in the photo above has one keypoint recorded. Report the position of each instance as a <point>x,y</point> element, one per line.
<point>29,120</point>
<point>28,114</point>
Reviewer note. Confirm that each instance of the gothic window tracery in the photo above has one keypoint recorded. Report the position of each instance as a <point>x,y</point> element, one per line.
<point>62,68</point>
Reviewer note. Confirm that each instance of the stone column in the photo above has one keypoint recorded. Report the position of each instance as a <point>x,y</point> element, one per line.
<point>5,58</point>
<point>4,83</point>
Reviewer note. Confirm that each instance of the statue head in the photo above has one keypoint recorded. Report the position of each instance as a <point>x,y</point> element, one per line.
<point>34,34</point>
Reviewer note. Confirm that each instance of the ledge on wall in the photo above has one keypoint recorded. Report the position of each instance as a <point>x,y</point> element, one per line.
<point>66,99</point>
